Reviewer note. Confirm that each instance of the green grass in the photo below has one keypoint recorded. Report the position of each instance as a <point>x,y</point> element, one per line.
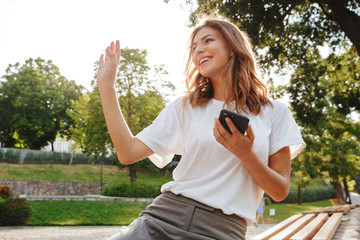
<point>77,213</point>
<point>78,173</point>
<point>286,210</point>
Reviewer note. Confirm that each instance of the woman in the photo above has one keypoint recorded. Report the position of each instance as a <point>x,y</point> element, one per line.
<point>221,177</point>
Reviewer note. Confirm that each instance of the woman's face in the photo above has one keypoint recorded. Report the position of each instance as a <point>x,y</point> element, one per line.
<point>210,53</point>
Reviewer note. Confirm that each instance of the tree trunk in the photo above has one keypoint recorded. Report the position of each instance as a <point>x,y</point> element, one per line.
<point>299,194</point>
<point>339,192</point>
<point>132,171</point>
<point>166,172</point>
<point>347,20</point>
<point>347,194</point>
<point>52,146</point>
<point>70,162</point>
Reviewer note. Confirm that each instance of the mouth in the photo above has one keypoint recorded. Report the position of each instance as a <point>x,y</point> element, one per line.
<point>205,59</point>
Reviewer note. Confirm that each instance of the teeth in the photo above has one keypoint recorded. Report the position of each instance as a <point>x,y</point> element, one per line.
<point>204,59</point>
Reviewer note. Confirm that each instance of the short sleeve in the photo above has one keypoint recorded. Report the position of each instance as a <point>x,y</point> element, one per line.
<point>284,131</point>
<point>164,135</point>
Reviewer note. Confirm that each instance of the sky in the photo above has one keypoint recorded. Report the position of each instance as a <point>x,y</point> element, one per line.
<point>74,33</point>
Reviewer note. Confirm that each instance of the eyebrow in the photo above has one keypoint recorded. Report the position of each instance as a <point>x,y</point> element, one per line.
<point>203,37</point>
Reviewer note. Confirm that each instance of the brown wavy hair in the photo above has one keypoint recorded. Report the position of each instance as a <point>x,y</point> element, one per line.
<point>244,84</point>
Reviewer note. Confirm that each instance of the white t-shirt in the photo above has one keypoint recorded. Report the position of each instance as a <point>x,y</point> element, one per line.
<point>208,172</point>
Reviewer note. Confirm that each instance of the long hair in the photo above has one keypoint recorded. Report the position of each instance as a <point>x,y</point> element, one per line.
<point>242,80</point>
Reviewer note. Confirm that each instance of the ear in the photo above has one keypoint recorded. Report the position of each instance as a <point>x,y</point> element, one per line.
<point>232,53</point>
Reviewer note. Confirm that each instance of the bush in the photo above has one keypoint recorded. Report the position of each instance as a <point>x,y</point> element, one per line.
<point>267,200</point>
<point>132,190</point>
<point>14,212</point>
<point>5,191</point>
<point>79,158</point>
<point>1,155</point>
<point>12,157</point>
<point>309,195</point>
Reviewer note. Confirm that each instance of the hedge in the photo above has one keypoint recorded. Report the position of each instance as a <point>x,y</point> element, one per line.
<point>132,190</point>
<point>43,157</point>
<point>11,156</point>
<point>309,195</point>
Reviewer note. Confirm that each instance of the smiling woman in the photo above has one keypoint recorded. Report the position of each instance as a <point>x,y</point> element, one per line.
<point>221,176</point>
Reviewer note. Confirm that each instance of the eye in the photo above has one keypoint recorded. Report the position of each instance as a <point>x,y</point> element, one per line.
<point>209,40</point>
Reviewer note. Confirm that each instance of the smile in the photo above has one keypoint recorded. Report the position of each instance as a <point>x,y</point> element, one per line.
<point>204,59</point>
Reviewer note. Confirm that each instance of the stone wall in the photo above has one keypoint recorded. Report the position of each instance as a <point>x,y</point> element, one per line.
<point>39,187</point>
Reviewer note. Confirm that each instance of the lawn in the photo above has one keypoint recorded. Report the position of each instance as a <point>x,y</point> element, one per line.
<point>76,213</point>
<point>285,210</point>
<point>78,173</point>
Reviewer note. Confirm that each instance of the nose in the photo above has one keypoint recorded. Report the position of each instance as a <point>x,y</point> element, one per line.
<point>199,48</point>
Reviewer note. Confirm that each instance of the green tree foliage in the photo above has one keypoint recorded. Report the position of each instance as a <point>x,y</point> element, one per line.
<point>286,29</point>
<point>33,99</point>
<point>325,108</point>
<point>142,95</point>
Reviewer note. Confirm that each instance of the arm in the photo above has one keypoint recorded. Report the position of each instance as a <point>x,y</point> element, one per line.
<point>274,179</point>
<point>128,148</point>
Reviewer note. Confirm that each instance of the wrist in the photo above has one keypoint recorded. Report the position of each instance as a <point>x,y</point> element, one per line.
<point>105,86</point>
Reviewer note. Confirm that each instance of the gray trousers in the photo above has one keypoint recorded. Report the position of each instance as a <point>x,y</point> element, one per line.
<point>176,217</point>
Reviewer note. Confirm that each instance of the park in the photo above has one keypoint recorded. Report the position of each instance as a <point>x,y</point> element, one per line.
<point>309,53</point>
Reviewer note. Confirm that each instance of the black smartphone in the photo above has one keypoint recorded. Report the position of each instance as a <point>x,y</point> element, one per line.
<point>241,122</point>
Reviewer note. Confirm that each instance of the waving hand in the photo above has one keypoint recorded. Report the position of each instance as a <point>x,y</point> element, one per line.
<point>108,65</point>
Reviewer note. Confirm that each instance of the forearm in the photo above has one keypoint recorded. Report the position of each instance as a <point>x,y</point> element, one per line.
<point>275,184</point>
<point>121,136</point>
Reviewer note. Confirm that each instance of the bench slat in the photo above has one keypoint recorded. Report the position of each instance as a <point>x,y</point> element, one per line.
<point>293,228</point>
<point>277,228</point>
<point>344,209</point>
<point>311,228</point>
<point>329,228</point>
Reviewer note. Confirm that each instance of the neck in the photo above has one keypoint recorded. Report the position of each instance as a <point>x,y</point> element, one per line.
<point>219,90</point>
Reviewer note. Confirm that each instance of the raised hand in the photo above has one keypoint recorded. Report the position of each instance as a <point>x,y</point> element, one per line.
<point>108,65</point>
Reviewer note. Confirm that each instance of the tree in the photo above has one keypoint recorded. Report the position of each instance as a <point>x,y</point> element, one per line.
<point>34,98</point>
<point>76,130</point>
<point>142,96</point>
<point>140,99</point>
<point>285,29</point>
<point>321,92</point>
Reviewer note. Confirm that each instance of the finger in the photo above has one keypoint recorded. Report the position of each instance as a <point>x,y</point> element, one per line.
<point>110,54</point>
<point>231,125</point>
<point>220,128</point>
<point>101,59</point>
<point>112,46</point>
<point>107,56</point>
<point>218,137</point>
<point>117,51</point>
<point>250,133</point>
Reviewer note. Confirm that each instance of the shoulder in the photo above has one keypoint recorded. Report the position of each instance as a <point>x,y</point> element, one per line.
<point>176,107</point>
<point>275,109</point>
<point>278,106</point>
